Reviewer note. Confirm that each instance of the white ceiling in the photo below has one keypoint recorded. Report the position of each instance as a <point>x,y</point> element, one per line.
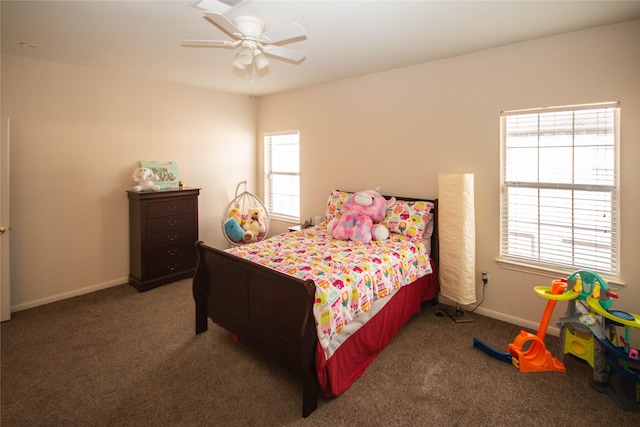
<point>344,38</point>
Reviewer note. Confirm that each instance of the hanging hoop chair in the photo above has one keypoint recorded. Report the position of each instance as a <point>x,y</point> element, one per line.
<point>245,219</point>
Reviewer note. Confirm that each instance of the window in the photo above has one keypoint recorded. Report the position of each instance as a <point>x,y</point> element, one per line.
<point>282,174</point>
<point>560,188</point>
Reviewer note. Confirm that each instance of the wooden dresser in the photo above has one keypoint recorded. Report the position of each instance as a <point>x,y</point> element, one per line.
<point>163,231</point>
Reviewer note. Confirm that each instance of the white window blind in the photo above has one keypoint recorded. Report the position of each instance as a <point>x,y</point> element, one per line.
<point>560,187</point>
<point>282,174</point>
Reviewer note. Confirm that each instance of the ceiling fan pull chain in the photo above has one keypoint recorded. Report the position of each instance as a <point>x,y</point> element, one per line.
<point>250,77</point>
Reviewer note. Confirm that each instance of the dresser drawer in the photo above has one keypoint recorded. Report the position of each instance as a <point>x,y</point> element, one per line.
<point>171,259</point>
<point>170,207</point>
<point>167,237</point>
<point>171,222</point>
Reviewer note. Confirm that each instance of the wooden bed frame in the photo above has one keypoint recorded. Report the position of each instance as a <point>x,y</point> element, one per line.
<point>271,311</point>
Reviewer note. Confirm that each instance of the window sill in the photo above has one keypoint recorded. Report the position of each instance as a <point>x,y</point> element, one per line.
<point>284,219</point>
<point>614,282</point>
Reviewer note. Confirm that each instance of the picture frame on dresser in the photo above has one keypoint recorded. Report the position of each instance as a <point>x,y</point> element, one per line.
<point>168,175</point>
<point>163,231</point>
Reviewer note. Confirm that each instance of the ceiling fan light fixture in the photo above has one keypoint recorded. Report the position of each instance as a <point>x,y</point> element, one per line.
<point>238,64</point>
<point>245,55</point>
<point>260,60</point>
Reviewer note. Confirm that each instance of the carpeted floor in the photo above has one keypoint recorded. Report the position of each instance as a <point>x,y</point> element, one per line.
<point>119,357</point>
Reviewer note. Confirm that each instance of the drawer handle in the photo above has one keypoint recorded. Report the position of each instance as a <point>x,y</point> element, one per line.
<point>172,238</point>
<point>172,222</point>
<point>172,252</point>
<point>172,267</point>
<point>172,208</point>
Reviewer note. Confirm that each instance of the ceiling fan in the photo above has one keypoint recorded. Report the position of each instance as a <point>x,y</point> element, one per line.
<point>249,34</point>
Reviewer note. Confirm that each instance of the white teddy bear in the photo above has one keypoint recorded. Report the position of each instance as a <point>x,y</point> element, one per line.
<point>254,225</point>
<point>145,179</point>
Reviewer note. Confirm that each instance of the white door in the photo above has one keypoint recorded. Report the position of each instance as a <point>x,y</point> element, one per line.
<point>5,286</point>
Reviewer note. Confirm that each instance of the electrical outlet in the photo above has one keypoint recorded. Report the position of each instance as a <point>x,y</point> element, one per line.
<point>485,278</point>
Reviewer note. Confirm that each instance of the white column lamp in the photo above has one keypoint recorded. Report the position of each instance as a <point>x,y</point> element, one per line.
<point>457,240</point>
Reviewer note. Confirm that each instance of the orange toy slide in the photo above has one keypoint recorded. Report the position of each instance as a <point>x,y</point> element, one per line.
<point>535,357</point>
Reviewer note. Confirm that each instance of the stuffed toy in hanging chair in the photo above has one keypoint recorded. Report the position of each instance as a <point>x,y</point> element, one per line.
<point>362,213</point>
<point>233,225</point>
<point>254,225</point>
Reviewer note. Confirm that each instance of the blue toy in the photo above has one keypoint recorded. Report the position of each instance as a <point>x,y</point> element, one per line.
<point>234,230</point>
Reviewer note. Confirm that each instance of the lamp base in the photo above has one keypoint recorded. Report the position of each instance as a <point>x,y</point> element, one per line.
<point>458,315</point>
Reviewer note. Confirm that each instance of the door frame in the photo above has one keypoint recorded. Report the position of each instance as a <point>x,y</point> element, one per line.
<point>5,276</point>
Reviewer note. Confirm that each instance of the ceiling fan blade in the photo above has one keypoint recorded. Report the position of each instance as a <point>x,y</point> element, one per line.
<point>222,6</point>
<point>209,43</point>
<point>288,32</point>
<point>284,52</point>
<point>210,5</point>
<point>222,22</point>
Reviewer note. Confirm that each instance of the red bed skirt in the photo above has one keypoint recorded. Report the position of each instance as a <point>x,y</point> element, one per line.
<point>353,356</point>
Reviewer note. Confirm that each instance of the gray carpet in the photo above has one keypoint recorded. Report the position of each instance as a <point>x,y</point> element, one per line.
<point>119,357</point>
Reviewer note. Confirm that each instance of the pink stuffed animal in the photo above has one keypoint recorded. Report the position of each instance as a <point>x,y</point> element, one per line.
<point>361,213</point>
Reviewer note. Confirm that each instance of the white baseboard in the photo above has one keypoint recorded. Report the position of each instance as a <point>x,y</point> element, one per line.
<point>551,330</point>
<point>70,294</point>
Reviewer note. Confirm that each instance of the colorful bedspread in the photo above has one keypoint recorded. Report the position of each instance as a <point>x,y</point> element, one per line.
<point>349,276</point>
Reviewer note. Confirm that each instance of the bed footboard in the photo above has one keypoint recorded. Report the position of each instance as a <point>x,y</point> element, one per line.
<point>265,308</point>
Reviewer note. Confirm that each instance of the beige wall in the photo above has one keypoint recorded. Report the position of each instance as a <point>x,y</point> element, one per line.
<point>400,129</point>
<point>76,136</point>
<point>78,133</point>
